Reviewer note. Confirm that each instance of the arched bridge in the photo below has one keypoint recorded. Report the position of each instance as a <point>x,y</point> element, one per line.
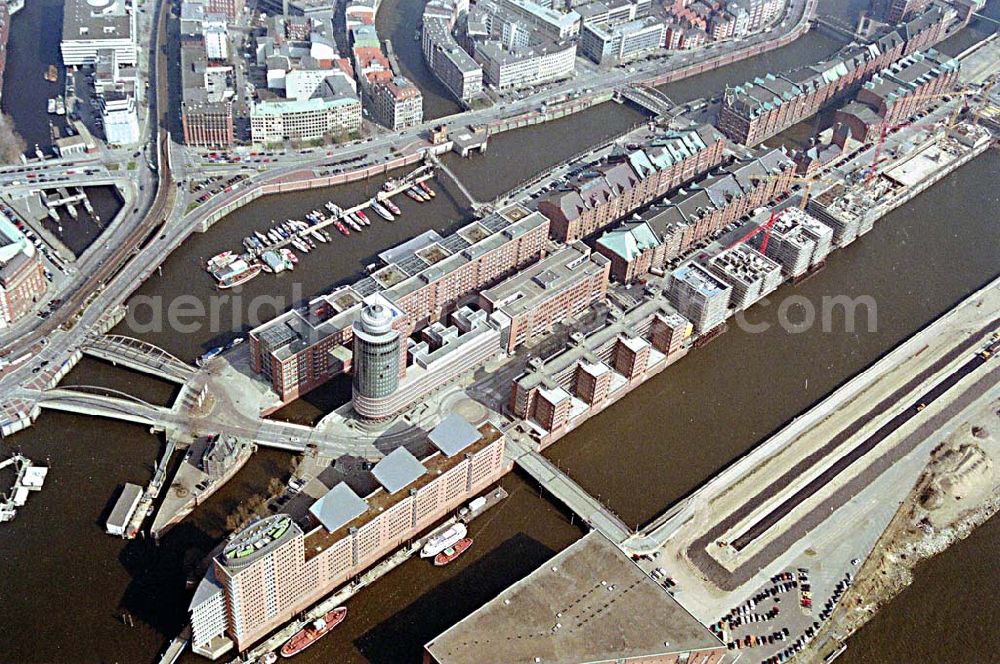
<point>139,355</point>
<point>650,99</point>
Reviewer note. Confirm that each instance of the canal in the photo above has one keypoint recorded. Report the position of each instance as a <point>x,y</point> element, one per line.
<point>98,599</point>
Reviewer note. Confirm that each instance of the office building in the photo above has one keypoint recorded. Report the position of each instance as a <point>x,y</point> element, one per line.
<point>231,9</point>
<point>120,117</point>
<point>449,62</point>
<point>92,25</point>
<point>424,277</point>
<point>699,296</point>
<point>377,364</point>
<point>444,354</point>
<point>335,111</point>
<point>553,24</point>
<point>613,44</point>
<point>22,276</point>
<point>397,103</point>
<point>554,290</point>
<point>207,97</point>
<point>275,568</point>
<point>894,11</point>
<point>512,68</point>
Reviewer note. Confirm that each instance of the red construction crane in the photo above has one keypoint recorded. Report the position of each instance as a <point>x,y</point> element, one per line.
<point>766,227</point>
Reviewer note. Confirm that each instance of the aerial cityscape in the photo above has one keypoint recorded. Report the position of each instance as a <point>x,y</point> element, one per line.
<point>499,331</point>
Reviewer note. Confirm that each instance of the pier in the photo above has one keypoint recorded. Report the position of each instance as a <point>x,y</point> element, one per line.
<point>473,203</point>
<point>29,478</point>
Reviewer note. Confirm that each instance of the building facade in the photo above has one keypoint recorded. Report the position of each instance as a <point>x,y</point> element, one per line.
<point>93,25</point>
<point>613,189</point>
<point>397,103</point>
<point>276,568</point>
<point>306,120</point>
<point>22,275</point>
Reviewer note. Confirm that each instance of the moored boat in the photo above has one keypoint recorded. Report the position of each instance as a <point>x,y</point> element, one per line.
<point>312,632</point>
<point>220,260</point>
<point>452,552</point>
<point>381,211</point>
<point>236,273</point>
<point>342,228</point>
<point>362,217</point>
<point>212,352</point>
<point>443,539</point>
<point>353,224</point>
<point>426,188</point>
<point>290,258</point>
<point>414,195</point>
<point>392,206</point>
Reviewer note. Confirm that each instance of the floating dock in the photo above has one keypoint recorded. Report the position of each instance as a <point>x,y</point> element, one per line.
<point>29,478</point>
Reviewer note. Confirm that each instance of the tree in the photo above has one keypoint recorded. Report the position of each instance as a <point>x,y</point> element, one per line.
<point>12,146</point>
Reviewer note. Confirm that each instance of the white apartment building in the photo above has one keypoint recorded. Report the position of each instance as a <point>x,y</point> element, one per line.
<point>307,120</point>
<point>511,69</point>
<point>90,25</point>
<point>552,23</point>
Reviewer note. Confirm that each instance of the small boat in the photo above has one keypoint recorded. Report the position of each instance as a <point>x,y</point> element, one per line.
<point>332,208</point>
<point>260,237</point>
<point>236,273</point>
<point>220,260</point>
<point>201,361</point>
<point>356,219</point>
<point>392,206</point>
<point>308,240</point>
<point>312,632</point>
<point>235,342</point>
<point>452,552</point>
<point>342,228</point>
<point>421,193</point>
<point>300,245</point>
<point>275,235</point>
<point>362,217</point>
<point>52,106</point>
<point>317,235</point>
<point>326,236</point>
<point>443,539</point>
<point>381,211</point>
<point>427,190</point>
<point>60,105</point>
<point>353,224</point>
<point>414,195</point>
<point>289,255</point>
<point>52,74</point>
<point>388,185</point>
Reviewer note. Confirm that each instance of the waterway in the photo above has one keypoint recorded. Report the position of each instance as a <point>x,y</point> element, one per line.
<point>68,580</point>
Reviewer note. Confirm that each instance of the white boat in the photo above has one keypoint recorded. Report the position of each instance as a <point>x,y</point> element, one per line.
<point>274,235</point>
<point>300,245</point>
<point>260,236</point>
<point>332,208</point>
<point>442,539</point>
<point>52,106</point>
<point>319,236</point>
<point>382,211</point>
<point>353,224</point>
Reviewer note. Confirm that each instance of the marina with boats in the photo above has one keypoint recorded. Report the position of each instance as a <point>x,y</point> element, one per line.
<point>270,250</point>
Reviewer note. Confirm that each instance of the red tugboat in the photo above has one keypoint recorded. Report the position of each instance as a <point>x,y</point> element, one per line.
<point>452,552</point>
<point>312,632</point>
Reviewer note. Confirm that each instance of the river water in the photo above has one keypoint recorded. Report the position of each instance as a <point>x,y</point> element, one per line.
<point>72,593</point>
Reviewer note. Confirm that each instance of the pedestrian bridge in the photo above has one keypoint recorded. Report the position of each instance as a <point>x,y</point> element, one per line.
<point>647,98</point>
<point>571,494</point>
<point>105,402</point>
<point>138,355</point>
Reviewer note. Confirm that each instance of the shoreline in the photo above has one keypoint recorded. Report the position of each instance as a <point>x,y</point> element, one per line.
<point>912,536</point>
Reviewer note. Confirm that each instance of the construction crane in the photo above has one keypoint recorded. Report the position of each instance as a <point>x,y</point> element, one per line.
<point>886,128</point>
<point>765,227</point>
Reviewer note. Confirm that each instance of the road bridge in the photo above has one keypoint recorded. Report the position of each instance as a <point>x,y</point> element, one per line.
<point>138,355</point>
<point>89,400</point>
<point>571,494</point>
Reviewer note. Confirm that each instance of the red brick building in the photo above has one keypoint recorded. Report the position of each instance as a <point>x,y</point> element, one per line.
<point>627,181</point>
<point>22,276</point>
<point>758,109</point>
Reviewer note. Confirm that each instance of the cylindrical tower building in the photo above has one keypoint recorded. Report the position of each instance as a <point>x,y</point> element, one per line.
<point>376,359</point>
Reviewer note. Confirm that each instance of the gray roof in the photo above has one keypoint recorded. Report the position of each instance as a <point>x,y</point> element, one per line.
<point>453,434</point>
<point>125,505</point>
<point>338,506</point>
<point>398,469</point>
